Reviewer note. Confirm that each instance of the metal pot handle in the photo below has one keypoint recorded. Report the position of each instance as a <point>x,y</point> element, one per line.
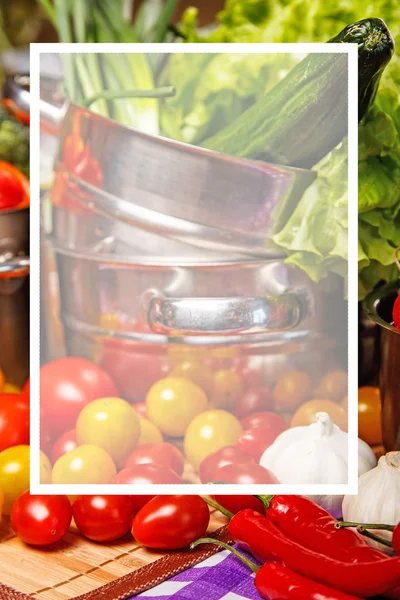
<point>238,315</point>
<point>16,266</point>
<point>16,89</point>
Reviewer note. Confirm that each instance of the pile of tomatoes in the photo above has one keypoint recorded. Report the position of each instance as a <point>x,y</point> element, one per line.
<point>188,415</point>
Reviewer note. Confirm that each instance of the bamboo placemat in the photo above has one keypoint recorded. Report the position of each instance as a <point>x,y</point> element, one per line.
<point>76,567</point>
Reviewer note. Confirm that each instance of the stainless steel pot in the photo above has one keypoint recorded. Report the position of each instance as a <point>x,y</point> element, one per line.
<point>14,295</point>
<point>379,306</point>
<point>189,194</point>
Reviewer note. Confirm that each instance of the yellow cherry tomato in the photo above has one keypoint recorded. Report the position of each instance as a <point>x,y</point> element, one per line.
<point>291,389</point>
<point>333,386</point>
<point>305,414</point>
<point>84,464</point>
<point>10,388</point>
<point>149,433</point>
<point>111,424</point>
<point>227,390</point>
<point>45,469</point>
<point>208,432</point>
<point>173,402</point>
<point>14,474</point>
<point>200,374</point>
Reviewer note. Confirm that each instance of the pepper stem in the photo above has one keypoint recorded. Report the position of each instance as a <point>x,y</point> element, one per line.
<point>265,500</point>
<point>374,537</point>
<point>221,509</point>
<point>244,560</point>
<point>362,527</point>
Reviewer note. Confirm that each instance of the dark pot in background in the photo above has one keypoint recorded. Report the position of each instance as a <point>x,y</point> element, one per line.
<point>378,306</point>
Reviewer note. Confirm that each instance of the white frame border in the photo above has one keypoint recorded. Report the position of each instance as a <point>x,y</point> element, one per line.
<point>351,487</point>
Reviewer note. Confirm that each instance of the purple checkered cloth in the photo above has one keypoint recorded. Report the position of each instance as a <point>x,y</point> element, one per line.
<point>220,577</point>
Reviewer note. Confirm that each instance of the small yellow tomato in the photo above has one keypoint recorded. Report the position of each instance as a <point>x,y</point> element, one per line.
<point>305,414</point>
<point>291,389</point>
<point>84,464</point>
<point>111,424</point>
<point>173,402</point>
<point>333,386</point>
<point>208,432</point>
<point>10,388</point>
<point>227,389</point>
<point>369,415</point>
<point>45,469</point>
<point>200,374</point>
<point>14,474</point>
<point>149,433</point>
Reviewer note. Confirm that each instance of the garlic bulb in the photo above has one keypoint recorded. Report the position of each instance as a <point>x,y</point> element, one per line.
<point>378,499</point>
<point>315,454</point>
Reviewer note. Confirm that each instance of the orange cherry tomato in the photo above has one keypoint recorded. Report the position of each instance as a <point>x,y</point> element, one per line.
<point>292,389</point>
<point>305,414</point>
<point>369,415</point>
<point>333,385</point>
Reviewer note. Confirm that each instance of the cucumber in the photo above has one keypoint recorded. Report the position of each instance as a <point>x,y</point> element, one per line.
<point>304,116</point>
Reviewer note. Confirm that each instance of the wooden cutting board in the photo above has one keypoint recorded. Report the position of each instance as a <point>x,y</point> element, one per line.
<point>75,565</point>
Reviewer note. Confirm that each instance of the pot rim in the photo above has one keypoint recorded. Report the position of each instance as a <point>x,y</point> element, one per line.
<point>371,303</point>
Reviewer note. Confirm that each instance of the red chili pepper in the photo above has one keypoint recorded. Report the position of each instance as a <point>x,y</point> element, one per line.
<point>276,582</point>
<point>396,539</point>
<point>313,527</point>
<point>266,542</point>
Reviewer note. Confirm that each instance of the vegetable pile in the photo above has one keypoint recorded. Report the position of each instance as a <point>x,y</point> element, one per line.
<point>220,102</point>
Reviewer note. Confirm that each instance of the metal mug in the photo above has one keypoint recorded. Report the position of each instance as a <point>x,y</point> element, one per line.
<point>378,306</point>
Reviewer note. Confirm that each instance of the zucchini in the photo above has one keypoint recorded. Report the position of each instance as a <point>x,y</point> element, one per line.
<point>303,117</point>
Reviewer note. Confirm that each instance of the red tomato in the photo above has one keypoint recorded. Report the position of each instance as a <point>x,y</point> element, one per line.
<point>14,421</point>
<point>161,454</point>
<point>41,520</point>
<point>237,503</point>
<point>66,386</point>
<point>149,473</point>
<point>267,420</point>
<point>26,392</point>
<point>11,191</point>
<point>133,371</point>
<point>140,408</point>
<point>104,518</point>
<point>244,473</point>
<point>171,522</point>
<point>255,441</point>
<point>250,377</point>
<point>396,539</point>
<point>224,456</point>
<point>65,443</point>
<point>254,400</point>
<point>140,501</point>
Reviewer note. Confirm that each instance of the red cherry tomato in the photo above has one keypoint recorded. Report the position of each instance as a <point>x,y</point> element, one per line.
<point>267,420</point>
<point>134,371</point>
<point>140,501</point>
<point>104,518</point>
<point>162,454</point>
<point>250,377</point>
<point>396,312</point>
<point>26,392</point>
<point>149,473</point>
<point>66,386</point>
<point>12,192</point>
<point>41,520</point>
<point>65,443</point>
<point>224,456</point>
<point>396,539</point>
<point>255,441</point>
<point>14,421</point>
<point>171,522</point>
<point>140,408</point>
<point>254,400</point>
<point>244,473</point>
<point>237,503</point>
